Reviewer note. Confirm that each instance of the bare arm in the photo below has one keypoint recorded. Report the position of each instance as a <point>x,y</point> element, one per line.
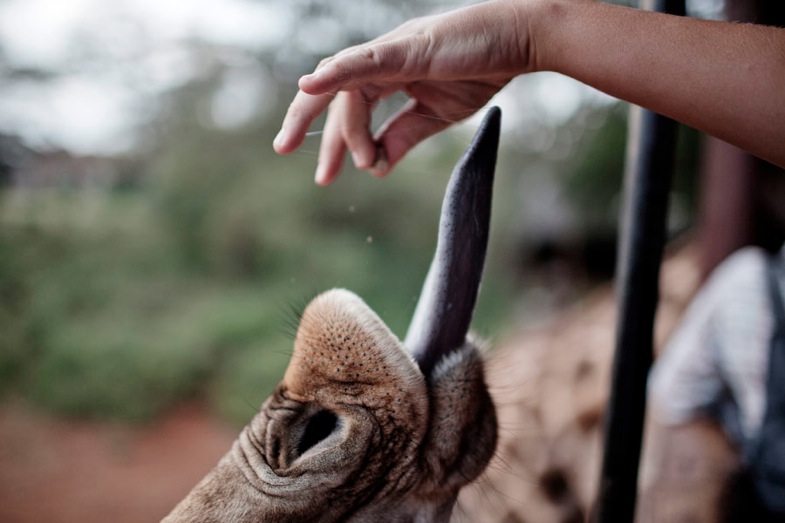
<point>725,79</point>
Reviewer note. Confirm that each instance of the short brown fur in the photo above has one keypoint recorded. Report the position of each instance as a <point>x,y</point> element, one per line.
<point>392,445</point>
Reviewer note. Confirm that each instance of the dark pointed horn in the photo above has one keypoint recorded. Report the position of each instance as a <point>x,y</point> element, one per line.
<point>444,310</point>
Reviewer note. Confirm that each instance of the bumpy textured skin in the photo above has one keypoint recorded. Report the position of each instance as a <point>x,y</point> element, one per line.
<point>403,445</point>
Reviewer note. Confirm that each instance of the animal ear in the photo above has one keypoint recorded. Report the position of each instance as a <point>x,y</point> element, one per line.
<point>444,311</point>
<point>453,430</point>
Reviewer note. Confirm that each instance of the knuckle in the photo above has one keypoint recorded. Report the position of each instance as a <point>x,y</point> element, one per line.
<point>375,54</point>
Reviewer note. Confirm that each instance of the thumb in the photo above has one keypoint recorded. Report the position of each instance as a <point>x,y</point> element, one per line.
<point>408,127</point>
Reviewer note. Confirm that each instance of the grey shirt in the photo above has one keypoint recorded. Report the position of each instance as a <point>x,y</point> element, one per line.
<point>716,360</point>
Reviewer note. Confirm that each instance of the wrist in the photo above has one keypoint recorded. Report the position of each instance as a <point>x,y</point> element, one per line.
<point>551,28</point>
<point>524,15</point>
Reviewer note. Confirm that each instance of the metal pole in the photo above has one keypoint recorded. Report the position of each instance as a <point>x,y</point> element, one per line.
<point>650,152</point>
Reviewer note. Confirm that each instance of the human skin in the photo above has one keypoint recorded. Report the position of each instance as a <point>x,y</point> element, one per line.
<point>725,79</point>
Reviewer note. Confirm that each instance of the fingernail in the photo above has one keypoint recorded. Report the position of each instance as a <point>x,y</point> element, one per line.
<point>278,139</point>
<point>380,165</point>
<point>362,159</point>
<point>320,175</point>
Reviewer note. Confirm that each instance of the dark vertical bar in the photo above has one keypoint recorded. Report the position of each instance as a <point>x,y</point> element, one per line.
<point>650,153</point>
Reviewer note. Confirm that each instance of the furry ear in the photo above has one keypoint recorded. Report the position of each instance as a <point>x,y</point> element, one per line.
<point>444,310</point>
<point>454,429</point>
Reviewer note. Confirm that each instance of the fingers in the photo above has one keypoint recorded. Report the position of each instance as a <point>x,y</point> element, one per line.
<point>347,126</point>
<point>407,128</point>
<point>357,109</point>
<point>378,69</point>
<point>365,66</point>
<point>331,150</point>
<point>303,110</point>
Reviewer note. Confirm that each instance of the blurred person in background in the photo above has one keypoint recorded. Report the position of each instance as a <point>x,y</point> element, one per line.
<point>726,361</point>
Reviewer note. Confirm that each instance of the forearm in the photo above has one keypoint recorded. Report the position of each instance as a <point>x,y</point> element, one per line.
<point>725,79</point>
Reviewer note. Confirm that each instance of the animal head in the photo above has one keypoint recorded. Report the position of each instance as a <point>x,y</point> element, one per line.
<point>364,427</point>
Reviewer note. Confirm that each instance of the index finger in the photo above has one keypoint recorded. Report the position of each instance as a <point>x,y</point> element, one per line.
<point>303,110</point>
<point>374,63</point>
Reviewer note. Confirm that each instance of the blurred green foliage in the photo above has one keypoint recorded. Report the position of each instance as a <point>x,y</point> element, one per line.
<point>593,176</point>
<point>122,302</point>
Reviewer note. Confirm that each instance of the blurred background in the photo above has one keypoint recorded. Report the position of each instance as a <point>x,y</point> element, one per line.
<point>155,251</point>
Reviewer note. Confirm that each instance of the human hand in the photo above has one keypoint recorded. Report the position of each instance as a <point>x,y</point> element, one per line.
<point>449,65</point>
